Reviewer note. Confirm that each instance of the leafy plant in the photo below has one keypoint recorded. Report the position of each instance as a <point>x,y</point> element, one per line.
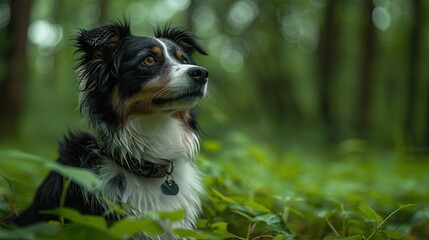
<point>253,194</point>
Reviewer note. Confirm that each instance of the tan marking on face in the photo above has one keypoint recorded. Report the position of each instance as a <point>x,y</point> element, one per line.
<point>157,50</point>
<point>179,54</point>
<point>141,102</point>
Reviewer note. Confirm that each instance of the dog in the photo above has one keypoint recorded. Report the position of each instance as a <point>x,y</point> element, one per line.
<point>138,93</point>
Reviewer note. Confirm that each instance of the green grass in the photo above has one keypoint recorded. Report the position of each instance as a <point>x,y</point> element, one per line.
<point>254,191</point>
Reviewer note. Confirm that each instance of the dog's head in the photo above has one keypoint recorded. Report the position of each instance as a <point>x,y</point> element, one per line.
<point>123,75</point>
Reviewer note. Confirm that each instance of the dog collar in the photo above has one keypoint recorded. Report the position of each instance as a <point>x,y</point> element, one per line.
<point>142,168</point>
<point>146,169</point>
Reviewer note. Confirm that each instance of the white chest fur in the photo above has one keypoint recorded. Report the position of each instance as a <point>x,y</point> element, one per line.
<point>154,138</point>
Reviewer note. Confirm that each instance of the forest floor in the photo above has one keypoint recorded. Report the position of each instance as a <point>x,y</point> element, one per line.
<point>255,192</point>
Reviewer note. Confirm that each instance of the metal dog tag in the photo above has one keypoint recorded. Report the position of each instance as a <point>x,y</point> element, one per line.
<point>169,187</point>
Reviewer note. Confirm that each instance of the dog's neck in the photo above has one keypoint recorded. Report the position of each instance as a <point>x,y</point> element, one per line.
<point>154,138</point>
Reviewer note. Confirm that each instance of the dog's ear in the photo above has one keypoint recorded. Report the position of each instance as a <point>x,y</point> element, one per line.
<point>97,68</point>
<point>108,36</point>
<point>187,41</point>
<point>99,44</point>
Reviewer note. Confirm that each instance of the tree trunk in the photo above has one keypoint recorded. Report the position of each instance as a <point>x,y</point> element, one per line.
<point>12,87</point>
<point>327,61</point>
<point>367,60</point>
<point>410,128</point>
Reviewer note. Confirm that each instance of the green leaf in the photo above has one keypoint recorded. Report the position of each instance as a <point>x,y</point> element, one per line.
<point>186,233</point>
<point>69,213</point>
<point>223,197</point>
<point>129,227</point>
<point>97,222</point>
<point>202,223</point>
<point>24,168</point>
<point>114,207</point>
<point>35,231</point>
<point>174,216</point>
<point>220,225</point>
<point>279,238</point>
<point>82,232</point>
<point>369,212</point>
<point>19,155</point>
<point>243,204</point>
<point>83,177</point>
<point>223,234</point>
<point>256,206</point>
<point>244,215</point>
<point>269,218</point>
<point>220,229</point>
<point>392,234</point>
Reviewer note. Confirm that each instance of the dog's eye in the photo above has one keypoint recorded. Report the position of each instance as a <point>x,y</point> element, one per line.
<point>149,60</point>
<point>185,61</point>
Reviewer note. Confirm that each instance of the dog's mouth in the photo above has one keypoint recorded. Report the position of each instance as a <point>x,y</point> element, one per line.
<point>184,97</point>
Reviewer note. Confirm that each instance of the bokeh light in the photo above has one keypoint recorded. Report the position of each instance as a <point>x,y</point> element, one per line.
<point>381,18</point>
<point>242,13</point>
<point>231,60</point>
<point>44,33</point>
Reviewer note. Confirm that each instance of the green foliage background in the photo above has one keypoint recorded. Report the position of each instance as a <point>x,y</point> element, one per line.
<point>295,145</point>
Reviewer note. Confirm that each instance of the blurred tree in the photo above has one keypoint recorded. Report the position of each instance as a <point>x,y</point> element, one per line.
<point>412,128</point>
<point>271,76</point>
<point>366,64</point>
<point>15,57</point>
<point>327,63</point>
<point>104,10</point>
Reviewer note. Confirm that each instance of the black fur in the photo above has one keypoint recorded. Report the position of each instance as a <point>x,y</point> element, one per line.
<point>187,41</point>
<point>100,69</point>
<point>75,151</point>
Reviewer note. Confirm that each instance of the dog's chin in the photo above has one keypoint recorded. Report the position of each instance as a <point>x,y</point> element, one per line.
<point>180,101</point>
<point>184,97</point>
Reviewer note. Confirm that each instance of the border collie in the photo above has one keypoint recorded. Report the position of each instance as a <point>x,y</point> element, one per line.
<point>138,93</point>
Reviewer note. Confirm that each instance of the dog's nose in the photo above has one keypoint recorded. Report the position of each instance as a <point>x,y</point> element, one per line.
<point>199,74</point>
